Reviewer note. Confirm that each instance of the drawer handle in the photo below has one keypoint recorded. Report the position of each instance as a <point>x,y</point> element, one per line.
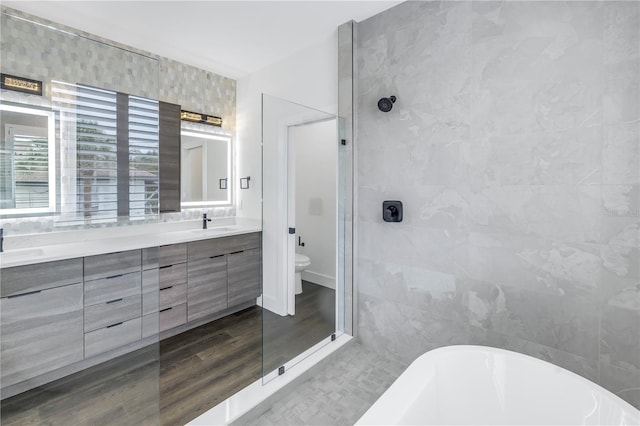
<point>114,300</point>
<point>166,309</point>
<point>165,267</point>
<point>115,276</point>
<point>213,257</point>
<point>236,252</point>
<point>24,294</point>
<point>166,288</point>
<point>114,325</point>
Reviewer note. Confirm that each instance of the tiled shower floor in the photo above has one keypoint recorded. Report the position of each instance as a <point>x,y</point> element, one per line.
<point>339,394</point>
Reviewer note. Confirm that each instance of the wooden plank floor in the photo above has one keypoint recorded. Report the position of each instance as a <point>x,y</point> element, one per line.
<point>287,337</point>
<point>183,376</point>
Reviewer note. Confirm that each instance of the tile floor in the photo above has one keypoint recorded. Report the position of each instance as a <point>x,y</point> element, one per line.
<point>338,395</point>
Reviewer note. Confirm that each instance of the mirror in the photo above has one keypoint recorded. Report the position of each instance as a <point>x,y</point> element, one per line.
<point>27,160</point>
<point>205,168</point>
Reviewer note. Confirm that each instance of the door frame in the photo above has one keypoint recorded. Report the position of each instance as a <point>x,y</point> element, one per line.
<point>290,199</point>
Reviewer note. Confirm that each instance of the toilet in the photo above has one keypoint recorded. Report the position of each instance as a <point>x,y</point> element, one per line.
<point>302,263</point>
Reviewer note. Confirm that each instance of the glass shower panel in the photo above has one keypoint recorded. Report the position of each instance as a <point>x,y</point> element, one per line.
<point>78,343</point>
<point>341,229</point>
<point>303,232</point>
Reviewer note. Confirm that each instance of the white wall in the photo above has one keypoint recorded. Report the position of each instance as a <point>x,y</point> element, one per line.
<point>217,165</point>
<point>309,77</point>
<point>316,159</point>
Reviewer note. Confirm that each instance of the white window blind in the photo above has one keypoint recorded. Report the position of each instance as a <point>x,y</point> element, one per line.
<point>143,157</point>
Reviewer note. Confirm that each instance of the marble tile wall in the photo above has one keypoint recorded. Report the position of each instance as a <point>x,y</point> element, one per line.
<point>43,50</point>
<point>514,145</point>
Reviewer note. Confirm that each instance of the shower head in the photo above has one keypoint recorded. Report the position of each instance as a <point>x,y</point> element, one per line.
<point>385,104</point>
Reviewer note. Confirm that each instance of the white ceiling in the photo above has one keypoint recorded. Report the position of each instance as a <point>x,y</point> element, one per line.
<point>232,38</point>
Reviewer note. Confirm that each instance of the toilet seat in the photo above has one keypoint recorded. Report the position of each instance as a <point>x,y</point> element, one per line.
<point>302,261</point>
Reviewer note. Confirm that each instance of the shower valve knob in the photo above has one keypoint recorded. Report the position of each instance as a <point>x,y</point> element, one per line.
<point>392,211</point>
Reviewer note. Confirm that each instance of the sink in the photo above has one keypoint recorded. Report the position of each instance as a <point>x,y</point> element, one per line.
<point>13,255</point>
<point>216,230</point>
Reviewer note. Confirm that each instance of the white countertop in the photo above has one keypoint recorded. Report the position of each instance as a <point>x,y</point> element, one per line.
<point>30,249</point>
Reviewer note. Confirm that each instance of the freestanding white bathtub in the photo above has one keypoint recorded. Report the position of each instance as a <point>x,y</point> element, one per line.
<point>477,385</point>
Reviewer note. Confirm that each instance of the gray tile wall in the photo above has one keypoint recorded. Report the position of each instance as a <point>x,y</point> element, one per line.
<point>53,51</point>
<point>44,53</point>
<point>514,145</point>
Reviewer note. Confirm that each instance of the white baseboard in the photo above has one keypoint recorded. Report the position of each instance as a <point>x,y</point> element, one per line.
<point>320,279</point>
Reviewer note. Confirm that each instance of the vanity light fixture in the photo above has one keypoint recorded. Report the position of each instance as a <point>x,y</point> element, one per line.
<point>244,182</point>
<point>196,117</point>
<point>21,84</point>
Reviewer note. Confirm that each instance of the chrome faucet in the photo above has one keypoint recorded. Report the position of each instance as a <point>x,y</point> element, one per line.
<point>205,220</point>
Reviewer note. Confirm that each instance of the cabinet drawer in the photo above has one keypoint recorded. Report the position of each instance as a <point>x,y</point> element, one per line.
<point>153,257</point>
<point>173,280</point>
<point>206,287</point>
<point>172,296</point>
<point>40,276</point>
<point>40,332</point>
<point>111,337</point>
<point>243,276</point>
<point>172,274</point>
<point>217,246</point>
<point>108,265</point>
<point>106,289</point>
<point>112,312</point>
<point>173,316</point>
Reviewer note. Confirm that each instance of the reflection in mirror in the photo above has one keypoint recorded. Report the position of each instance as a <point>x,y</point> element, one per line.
<point>205,168</point>
<point>27,160</point>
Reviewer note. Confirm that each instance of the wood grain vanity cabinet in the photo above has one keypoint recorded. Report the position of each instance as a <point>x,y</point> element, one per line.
<point>111,264</point>
<point>112,301</point>
<point>164,283</point>
<point>41,319</point>
<point>222,272</point>
<point>60,317</point>
<point>207,286</point>
<point>244,271</point>
<point>41,276</point>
